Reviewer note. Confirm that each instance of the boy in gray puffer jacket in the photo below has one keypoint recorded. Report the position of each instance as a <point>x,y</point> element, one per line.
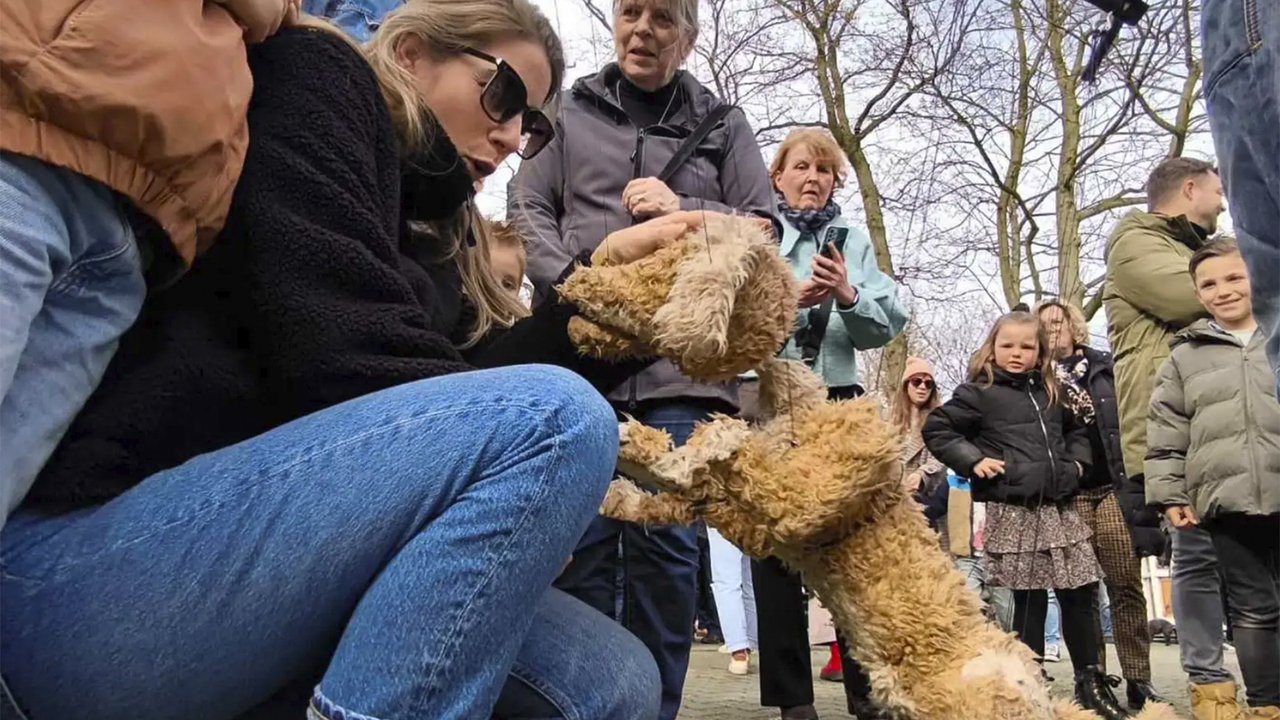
<point>1213,459</point>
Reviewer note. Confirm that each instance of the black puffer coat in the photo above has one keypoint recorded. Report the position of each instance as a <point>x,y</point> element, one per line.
<point>1108,452</point>
<point>1011,420</point>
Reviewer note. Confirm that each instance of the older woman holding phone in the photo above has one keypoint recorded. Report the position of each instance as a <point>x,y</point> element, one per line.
<point>846,305</point>
<point>641,139</point>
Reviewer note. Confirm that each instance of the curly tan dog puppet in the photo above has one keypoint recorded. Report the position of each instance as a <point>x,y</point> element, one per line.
<point>818,486</point>
<point>685,301</point>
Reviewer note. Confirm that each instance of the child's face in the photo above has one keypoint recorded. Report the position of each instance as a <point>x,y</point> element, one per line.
<point>1222,286</point>
<point>1017,349</point>
<point>508,267</point>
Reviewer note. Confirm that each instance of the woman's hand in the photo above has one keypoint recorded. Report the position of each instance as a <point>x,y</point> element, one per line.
<point>831,273</point>
<point>648,198</point>
<point>637,241</point>
<point>812,294</point>
<point>1181,517</point>
<point>987,468</point>
<point>911,482</point>
<point>262,18</point>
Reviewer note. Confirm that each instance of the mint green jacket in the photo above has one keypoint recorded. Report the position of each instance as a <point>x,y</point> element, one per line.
<point>871,322</point>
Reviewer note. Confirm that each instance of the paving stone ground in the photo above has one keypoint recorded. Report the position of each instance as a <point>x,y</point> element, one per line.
<point>711,693</point>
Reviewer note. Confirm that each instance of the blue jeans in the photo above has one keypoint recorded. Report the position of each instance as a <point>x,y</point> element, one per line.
<point>1241,40</point>
<point>70,285</point>
<point>657,567</point>
<point>358,18</point>
<point>1053,623</point>
<point>999,600</point>
<point>401,543</point>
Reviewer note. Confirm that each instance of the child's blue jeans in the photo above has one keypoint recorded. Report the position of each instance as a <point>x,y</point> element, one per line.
<point>70,284</point>
<point>401,543</point>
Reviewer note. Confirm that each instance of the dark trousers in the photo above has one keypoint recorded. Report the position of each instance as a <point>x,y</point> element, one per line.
<point>1079,608</point>
<point>1248,548</point>
<point>654,566</point>
<point>708,618</point>
<point>786,672</point>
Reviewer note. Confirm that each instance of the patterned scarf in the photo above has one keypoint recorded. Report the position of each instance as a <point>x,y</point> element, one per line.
<point>808,221</point>
<point>1071,372</point>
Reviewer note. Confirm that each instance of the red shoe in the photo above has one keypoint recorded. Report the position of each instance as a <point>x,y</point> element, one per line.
<point>834,670</point>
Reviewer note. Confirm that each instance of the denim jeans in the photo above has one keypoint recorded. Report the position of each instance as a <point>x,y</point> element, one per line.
<point>70,285</point>
<point>657,568</point>
<point>1197,607</point>
<point>358,18</point>
<point>1249,546</point>
<point>1241,41</point>
<point>735,595</point>
<point>1053,622</point>
<point>400,542</point>
<point>999,600</point>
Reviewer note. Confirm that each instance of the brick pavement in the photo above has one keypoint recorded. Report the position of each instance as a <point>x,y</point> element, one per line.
<point>711,693</point>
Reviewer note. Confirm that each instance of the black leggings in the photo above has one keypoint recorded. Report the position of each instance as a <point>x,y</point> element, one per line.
<point>1078,608</point>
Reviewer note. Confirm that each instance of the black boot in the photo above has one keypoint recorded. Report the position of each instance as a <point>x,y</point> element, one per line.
<point>864,709</point>
<point>1093,692</point>
<point>1140,693</point>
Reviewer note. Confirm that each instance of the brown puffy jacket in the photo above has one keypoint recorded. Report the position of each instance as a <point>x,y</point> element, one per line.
<point>148,98</point>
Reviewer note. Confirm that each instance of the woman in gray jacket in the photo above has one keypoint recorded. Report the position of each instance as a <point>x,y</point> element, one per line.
<point>610,165</point>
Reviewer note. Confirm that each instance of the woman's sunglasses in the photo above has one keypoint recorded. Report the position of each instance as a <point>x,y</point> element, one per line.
<point>925,383</point>
<point>505,96</point>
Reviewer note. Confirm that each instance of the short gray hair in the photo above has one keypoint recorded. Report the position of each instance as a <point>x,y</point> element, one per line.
<point>685,13</point>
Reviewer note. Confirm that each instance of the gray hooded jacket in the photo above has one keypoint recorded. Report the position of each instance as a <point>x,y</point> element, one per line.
<point>1213,436</point>
<point>569,197</point>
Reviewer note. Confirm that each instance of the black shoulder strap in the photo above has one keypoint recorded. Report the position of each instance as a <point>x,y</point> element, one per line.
<point>691,143</point>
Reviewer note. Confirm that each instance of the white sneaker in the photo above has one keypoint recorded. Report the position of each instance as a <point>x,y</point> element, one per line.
<point>740,663</point>
<point>1052,654</point>
<point>723,649</point>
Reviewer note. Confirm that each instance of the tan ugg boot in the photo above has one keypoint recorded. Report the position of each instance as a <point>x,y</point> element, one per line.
<point>1270,712</point>
<point>1215,701</point>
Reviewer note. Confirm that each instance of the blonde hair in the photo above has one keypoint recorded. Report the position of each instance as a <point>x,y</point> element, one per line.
<point>1076,322</point>
<point>982,365</point>
<point>446,27</point>
<point>819,142</point>
<point>903,412</point>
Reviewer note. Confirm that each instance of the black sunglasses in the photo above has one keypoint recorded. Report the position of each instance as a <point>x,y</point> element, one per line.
<point>505,96</point>
<point>921,382</point>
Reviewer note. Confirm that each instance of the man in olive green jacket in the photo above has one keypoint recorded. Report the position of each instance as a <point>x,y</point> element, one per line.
<point>1149,296</point>
<point>1214,461</point>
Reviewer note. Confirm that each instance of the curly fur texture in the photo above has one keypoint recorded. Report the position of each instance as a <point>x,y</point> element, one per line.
<point>685,301</point>
<point>817,485</point>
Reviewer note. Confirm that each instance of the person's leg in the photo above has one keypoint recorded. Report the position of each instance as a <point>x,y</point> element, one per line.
<point>857,685</point>
<point>1122,571</point>
<point>576,664</point>
<point>592,575</point>
<point>1248,546</point>
<point>1079,621</point>
<point>1241,42</point>
<point>1052,625</point>
<point>1029,610</point>
<point>749,602</point>
<point>70,285</point>
<point>660,571</point>
<point>726,584</point>
<point>396,528</point>
<point>708,615</point>
<point>786,670</point>
<point>1197,607</point>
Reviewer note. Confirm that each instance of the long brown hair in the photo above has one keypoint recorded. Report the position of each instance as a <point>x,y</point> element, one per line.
<point>982,365</point>
<point>902,412</point>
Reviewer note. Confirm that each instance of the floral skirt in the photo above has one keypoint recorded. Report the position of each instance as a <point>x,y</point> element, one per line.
<point>1038,548</point>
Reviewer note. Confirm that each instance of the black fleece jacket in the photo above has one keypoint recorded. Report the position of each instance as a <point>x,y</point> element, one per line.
<point>316,293</point>
<point>1011,420</point>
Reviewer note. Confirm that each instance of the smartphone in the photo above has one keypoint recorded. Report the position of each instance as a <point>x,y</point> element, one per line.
<point>833,241</point>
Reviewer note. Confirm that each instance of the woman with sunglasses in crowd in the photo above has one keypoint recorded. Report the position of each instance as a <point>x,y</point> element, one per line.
<point>293,474</point>
<point>616,133</point>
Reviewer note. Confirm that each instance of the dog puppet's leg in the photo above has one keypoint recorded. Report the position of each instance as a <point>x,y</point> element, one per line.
<point>628,503</point>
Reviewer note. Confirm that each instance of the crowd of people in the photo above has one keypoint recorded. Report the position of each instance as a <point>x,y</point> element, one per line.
<point>286,423</point>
